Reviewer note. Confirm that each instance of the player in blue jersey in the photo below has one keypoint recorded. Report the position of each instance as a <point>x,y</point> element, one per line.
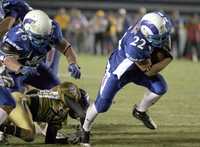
<point>12,11</point>
<point>22,53</point>
<point>132,62</point>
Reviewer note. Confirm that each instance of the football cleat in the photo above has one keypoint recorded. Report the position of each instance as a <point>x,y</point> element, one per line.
<point>85,139</point>
<point>145,118</point>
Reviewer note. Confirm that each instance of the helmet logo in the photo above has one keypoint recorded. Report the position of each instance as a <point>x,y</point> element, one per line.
<point>29,21</point>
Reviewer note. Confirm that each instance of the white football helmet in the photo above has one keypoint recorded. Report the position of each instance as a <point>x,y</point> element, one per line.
<point>38,26</point>
<point>155,26</point>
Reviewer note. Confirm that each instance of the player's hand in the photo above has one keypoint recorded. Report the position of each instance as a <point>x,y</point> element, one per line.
<point>74,71</point>
<point>144,65</point>
<point>6,81</point>
<point>28,70</point>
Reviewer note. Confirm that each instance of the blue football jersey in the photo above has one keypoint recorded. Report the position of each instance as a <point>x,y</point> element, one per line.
<point>21,45</point>
<point>15,8</point>
<point>132,47</point>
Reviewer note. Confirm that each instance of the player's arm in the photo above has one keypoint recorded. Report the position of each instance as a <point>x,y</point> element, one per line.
<point>144,65</point>
<point>65,47</point>
<point>138,57</point>
<point>52,133</point>
<point>10,16</point>
<point>9,58</point>
<point>164,58</point>
<point>6,24</point>
<point>11,63</point>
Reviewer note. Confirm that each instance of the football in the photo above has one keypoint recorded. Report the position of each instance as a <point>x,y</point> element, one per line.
<point>158,55</point>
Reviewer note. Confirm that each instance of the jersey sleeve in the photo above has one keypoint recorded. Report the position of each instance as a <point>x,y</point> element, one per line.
<point>17,41</point>
<point>9,7</point>
<point>135,54</point>
<point>15,8</point>
<point>57,33</point>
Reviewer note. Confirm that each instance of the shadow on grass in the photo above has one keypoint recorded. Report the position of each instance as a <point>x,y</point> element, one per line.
<point>119,134</point>
<point>134,135</point>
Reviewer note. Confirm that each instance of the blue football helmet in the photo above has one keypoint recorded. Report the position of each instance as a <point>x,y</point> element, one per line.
<point>155,27</point>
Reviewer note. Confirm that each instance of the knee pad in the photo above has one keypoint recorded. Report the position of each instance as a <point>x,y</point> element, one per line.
<point>102,104</point>
<point>160,86</point>
<point>161,90</point>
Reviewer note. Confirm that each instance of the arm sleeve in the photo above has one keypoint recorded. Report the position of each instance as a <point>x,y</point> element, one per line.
<point>12,13</point>
<point>7,50</point>
<point>9,47</point>
<point>57,35</point>
<point>9,7</point>
<point>135,54</point>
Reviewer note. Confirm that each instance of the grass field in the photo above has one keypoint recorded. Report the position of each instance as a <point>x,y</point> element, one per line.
<point>177,114</point>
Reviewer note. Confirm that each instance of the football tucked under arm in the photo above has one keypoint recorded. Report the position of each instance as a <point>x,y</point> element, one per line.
<point>160,58</point>
<point>144,65</point>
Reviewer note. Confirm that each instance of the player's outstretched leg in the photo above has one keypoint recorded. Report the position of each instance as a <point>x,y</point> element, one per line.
<point>144,117</point>
<point>139,110</point>
<point>156,88</point>
<point>85,139</point>
<point>90,116</point>
<point>109,88</point>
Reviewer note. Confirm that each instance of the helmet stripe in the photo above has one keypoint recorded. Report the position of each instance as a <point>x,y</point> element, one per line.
<point>151,26</point>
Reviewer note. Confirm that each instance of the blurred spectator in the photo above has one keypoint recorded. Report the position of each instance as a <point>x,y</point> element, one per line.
<point>78,29</point>
<point>63,19</point>
<point>193,38</point>
<point>179,35</point>
<point>98,25</point>
<point>53,56</point>
<point>141,11</point>
<point>123,22</point>
<point>111,33</point>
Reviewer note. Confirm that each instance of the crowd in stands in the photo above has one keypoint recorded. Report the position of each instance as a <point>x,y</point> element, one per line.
<point>100,32</point>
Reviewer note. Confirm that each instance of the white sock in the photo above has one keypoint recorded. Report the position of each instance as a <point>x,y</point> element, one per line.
<point>3,116</point>
<point>149,99</point>
<point>90,116</point>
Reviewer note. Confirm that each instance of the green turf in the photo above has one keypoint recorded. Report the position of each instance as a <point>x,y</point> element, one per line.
<point>177,113</point>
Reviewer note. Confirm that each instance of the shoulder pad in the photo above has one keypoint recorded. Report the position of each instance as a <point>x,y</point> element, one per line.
<point>17,38</point>
<point>56,34</point>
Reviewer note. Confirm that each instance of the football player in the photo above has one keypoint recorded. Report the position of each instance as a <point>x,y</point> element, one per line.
<point>12,11</point>
<point>51,106</point>
<point>131,63</point>
<point>22,53</point>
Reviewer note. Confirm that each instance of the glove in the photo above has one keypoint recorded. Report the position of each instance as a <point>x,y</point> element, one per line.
<point>6,81</point>
<point>28,71</point>
<point>74,70</point>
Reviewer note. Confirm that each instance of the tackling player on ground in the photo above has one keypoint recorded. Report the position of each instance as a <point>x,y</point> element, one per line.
<point>131,63</point>
<point>50,106</point>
